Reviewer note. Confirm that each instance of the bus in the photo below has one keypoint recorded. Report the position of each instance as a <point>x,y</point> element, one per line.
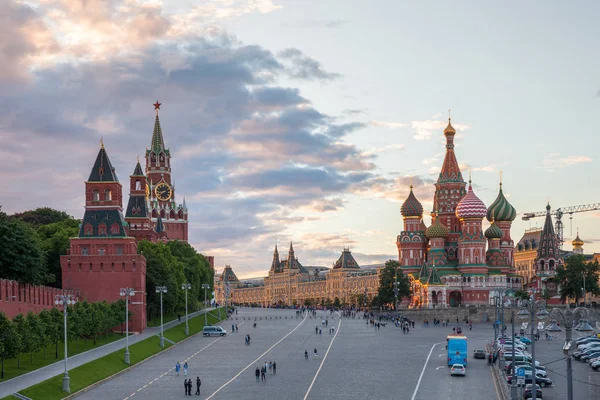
<point>457,349</point>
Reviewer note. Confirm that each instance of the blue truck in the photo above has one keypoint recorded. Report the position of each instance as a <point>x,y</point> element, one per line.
<point>457,349</point>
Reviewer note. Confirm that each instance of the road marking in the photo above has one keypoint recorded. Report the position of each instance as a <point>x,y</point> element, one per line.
<point>495,385</point>
<point>171,369</point>
<point>423,371</point>
<point>439,368</point>
<point>323,362</point>
<point>257,359</point>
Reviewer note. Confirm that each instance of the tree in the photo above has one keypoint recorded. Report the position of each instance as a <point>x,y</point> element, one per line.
<point>41,216</point>
<point>521,294</point>
<point>10,341</point>
<point>22,257</point>
<point>54,239</point>
<point>388,275</point>
<point>36,338</point>
<point>54,331</point>
<point>570,277</point>
<point>23,332</point>
<point>337,303</point>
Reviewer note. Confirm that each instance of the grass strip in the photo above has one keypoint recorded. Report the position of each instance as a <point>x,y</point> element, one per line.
<point>74,347</point>
<point>104,367</point>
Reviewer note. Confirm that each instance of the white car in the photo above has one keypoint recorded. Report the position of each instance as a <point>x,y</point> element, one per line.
<point>458,369</point>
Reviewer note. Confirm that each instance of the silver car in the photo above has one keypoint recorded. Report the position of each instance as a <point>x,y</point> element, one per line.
<point>458,369</point>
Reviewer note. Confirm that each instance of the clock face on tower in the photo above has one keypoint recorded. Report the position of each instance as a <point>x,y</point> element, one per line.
<point>163,191</point>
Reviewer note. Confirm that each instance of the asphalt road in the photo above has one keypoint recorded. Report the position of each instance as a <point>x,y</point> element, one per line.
<point>356,362</point>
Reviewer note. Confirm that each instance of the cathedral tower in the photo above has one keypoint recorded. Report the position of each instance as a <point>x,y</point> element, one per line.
<point>471,246</point>
<point>449,190</point>
<point>411,243</point>
<point>162,188</point>
<point>503,213</point>
<point>548,257</point>
<point>138,209</point>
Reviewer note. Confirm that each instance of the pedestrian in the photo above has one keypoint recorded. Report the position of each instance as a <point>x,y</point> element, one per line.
<point>257,373</point>
<point>316,329</point>
<point>185,369</point>
<point>185,386</point>
<point>274,368</point>
<point>271,366</point>
<point>198,384</point>
<point>177,368</point>
<point>263,373</point>
<point>320,332</point>
<point>179,317</point>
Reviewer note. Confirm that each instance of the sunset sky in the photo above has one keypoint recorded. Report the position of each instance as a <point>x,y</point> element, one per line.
<point>303,120</point>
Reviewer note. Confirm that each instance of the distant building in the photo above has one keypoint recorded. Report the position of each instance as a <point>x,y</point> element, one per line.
<point>290,283</point>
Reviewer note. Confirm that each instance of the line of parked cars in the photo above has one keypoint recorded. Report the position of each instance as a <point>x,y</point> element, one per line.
<point>588,350</point>
<point>522,360</point>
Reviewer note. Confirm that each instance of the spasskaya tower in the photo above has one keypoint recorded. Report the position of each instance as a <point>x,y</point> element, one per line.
<point>161,193</point>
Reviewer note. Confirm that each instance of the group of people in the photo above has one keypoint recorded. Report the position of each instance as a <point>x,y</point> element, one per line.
<point>187,384</point>
<point>178,368</point>
<point>261,372</point>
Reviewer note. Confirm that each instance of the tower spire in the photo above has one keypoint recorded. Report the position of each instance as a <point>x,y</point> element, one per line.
<point>158,143</point>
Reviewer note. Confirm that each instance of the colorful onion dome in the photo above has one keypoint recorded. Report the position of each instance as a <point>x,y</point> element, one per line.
<point>501,209</point>
<point>577,241</point>
<point>436,230</point>
<point>470,206</point>
<point>411,206</point>
<point>493,232</point>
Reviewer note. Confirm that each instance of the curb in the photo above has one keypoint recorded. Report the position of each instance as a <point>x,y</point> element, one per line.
<point>108,378</point>
<point>504,389</point>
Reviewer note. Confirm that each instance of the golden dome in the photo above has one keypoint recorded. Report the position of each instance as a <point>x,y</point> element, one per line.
<point>577,242</point>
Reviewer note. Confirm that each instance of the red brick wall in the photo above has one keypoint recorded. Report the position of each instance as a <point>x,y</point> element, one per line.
<point>20,298</point>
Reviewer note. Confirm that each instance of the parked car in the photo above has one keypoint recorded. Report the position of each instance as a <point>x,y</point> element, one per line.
<point>479,353</point>
<point>528,392</point>
<point>595,365</point>
<point>527,368</point>
<point>524,339</point>
<point>458,369</point>
<point>587,357</point>
<point>517,362</point>
<point>540,380</point>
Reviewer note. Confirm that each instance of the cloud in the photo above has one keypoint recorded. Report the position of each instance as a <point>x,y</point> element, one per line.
<point>303,67</point>
<point>425,129</point>
<point>353,112</point>
<point>317,24</point>
<point>554,160</point>
<point>389,147</point>
<point>391,125</point>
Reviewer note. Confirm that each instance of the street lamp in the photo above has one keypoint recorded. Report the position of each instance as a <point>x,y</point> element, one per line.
<point>568,317</point>
<point>205,286</point>
<point>396,290</point>
<point>161,290</point>
<point>65,300</point>
<point>499,306</point>
<point>541,314</point>
<point>186,287</point>
<point>127,293</point>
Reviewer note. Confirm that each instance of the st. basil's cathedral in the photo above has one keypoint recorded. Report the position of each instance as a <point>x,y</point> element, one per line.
<point>447,262</point>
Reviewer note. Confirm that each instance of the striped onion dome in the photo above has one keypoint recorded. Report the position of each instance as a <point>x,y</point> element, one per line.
<point>436,230</point>
<point>501,209</point>
<point>411,206</point>
<point>493,232</point>
<point>470,206</point>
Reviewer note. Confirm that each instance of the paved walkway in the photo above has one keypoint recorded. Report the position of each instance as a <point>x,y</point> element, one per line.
<point>39,375</point>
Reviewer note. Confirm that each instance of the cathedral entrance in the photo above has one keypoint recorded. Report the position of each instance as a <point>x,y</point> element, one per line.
<point>455,299</point>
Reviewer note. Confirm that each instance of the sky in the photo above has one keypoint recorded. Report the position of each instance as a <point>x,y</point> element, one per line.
<point>303,120</point>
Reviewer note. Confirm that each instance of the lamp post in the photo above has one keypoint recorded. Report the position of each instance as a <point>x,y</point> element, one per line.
<point>568,317</point>
<point>205,286</point>
<point>186,287</point>
<point>127,293</point>
<point>65,300</point>
<point>541,314</point>
<point>161,290</point>
<point>513,382</point>
<point>584,296</point>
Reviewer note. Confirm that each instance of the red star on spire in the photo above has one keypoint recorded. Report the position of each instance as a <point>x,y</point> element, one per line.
<point>157,105</point>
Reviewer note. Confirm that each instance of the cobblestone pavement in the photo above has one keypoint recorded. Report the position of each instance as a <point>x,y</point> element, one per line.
<point>356,362</point>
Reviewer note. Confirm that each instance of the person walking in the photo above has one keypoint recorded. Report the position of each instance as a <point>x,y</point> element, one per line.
<point>185,369</point>
<point>185,386</point>
<point>198,384</point>
<point>177,368</point>
<point>190,384</point>
<point>274,368</point>
<point>270,366</point>
<point>263,373</point>
<point>257,373</point>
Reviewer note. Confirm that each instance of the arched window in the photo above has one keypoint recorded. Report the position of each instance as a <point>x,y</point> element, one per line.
<point>88,229</point>
<point>551,264</point>
<point>95,195</point>
<point>114,229</point>
<point>107,195</point>
<point>138,185</point>
<point>101,229</point>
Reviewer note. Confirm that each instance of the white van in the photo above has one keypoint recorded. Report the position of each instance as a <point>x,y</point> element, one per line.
<point>213,331</point>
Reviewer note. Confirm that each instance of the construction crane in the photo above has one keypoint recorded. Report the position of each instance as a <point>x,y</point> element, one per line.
<point>558,214</point>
